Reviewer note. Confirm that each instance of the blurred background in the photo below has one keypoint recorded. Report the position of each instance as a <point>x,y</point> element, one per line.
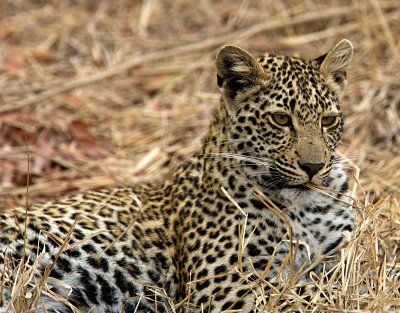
<point>99,93</point>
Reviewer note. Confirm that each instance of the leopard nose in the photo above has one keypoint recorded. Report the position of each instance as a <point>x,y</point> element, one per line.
<point>311,168</point>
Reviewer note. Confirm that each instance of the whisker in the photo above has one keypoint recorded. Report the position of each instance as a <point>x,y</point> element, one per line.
<point>226,154</point>
<point>250,159</point>
<point>263,171</point>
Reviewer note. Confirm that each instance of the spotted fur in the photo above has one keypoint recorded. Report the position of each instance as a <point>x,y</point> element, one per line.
<point>206,237</point>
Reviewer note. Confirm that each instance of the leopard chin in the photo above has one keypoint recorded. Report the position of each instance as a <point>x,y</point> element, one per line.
<point>303,197</point>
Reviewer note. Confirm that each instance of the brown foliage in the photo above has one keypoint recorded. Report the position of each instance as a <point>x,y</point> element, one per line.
<point>98,93</point>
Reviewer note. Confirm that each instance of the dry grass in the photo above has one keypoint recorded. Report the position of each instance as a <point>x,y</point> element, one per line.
<point>116,92</point>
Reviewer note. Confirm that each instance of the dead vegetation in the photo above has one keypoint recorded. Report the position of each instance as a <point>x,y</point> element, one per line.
<point>98,93</point>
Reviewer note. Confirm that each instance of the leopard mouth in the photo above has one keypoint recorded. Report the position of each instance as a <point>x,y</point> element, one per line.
<point>283,183</point>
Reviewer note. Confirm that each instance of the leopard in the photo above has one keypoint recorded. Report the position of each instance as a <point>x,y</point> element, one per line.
<point>264,197</point>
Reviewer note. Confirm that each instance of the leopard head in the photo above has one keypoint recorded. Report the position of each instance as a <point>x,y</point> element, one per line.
<point>283,115</point>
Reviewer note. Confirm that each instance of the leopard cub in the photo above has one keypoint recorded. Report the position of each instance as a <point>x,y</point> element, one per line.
<point>224,226</point>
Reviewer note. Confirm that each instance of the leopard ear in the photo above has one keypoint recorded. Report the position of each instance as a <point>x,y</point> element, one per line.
<point>237,70</point>
<point>334,64</point>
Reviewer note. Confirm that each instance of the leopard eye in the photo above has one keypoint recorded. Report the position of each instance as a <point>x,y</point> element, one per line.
<point>281,119</point>
<point>328,121</point>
